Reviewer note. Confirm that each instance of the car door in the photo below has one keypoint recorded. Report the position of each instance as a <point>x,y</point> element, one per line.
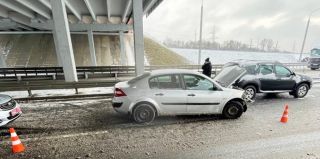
<point>285,78</point>
<point>267,77</point>
<point>203,97</point>
<point>168,92</point>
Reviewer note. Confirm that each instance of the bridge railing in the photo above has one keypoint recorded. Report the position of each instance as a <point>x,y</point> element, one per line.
<point>84,72</point>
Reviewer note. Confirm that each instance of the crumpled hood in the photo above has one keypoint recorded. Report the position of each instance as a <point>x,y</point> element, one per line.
<point>4,98</point>
<point>229,75</point>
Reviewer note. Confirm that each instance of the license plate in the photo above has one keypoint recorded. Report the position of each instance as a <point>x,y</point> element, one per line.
<point>15,111</point>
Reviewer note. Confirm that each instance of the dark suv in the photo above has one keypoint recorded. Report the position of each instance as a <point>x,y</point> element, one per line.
<point>265,77</point>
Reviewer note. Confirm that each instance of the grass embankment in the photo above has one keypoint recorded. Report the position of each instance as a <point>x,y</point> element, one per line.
<point>160,55</point>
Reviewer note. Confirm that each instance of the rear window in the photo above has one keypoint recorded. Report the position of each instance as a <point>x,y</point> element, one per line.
<point>251,69</point>
<point>165,82</point>
<point>134,80</point>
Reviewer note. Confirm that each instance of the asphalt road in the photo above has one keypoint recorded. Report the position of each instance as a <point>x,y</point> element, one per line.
<point>91,129</point>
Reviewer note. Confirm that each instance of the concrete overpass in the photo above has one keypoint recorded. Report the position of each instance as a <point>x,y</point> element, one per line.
<point>63,17</point>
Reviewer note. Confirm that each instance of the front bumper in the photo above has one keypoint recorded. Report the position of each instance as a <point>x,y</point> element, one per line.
<point>6,118</point>
<point>316,66</point>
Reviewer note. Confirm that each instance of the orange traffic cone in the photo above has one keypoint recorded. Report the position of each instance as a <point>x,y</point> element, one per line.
<point>284,117</point>
<point>16,143</point>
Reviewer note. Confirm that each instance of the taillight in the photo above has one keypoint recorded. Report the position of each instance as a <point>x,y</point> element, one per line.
<point>118,92</point>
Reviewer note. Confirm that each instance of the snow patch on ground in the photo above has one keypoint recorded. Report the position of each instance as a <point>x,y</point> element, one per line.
<point>59,92</point>
<point>56,103</point>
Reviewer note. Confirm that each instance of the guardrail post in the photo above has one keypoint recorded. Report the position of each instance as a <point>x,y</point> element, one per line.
<point>29,92</point>
<point>19,78</point>
<point>54,77</point>
<point>77,92</point>
<point>86,76</point>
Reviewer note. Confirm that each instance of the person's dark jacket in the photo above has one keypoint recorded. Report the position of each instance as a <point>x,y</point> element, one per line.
<point>206,68</point>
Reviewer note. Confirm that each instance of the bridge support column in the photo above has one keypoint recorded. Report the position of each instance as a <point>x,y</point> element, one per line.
<point>138,36</point>
<point>122,49</point>
<point>92,49</point>
<point>63,40</point>
<point>59,60</point>
<point>3,63</point>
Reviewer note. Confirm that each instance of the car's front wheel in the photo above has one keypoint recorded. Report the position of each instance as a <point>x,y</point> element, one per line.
<point>143,113</point>
<point>232,110</point>
<point>250,92</point>
<point>301,91</point>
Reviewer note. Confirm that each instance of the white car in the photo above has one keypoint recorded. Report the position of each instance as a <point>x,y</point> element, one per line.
<point>177,92</point>
<point>9,110</point>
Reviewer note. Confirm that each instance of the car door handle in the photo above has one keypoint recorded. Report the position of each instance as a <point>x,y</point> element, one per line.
<point>159,94</point>
<point>191,95</point>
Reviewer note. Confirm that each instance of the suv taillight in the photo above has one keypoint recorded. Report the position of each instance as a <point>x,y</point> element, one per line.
<point>118,92</point>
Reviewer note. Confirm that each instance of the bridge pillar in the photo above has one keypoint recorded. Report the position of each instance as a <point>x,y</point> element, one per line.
<point>92,49</point>
<point>59,60</point>
<point>3,63</point>
<point>122,49</point>
<point>137,7</point>
<point>63,40</point>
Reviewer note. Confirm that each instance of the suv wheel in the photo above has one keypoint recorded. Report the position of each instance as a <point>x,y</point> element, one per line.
<point>232,110</point>
<point>301,91</point>
<point>250,92</point>
<point>144,113</point>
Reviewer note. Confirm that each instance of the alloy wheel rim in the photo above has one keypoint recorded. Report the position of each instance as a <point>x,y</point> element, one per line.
<point>302,90</point>
<point>144,114</point>
<point>233,110</point>
<point>249,93</point>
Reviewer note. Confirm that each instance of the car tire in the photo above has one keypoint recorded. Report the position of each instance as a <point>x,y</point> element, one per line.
<point>301,91</point>
<point>313,68</point>
<point>143,113</point>
<point>250,91</point>
<point>232,110</point>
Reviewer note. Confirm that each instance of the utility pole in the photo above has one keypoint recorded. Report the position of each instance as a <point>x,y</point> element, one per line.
<point>306,32</point>
<point>200,40</point>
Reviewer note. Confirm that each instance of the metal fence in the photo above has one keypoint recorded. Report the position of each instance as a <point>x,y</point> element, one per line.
<point>52,73</point>
<point>39,78</point>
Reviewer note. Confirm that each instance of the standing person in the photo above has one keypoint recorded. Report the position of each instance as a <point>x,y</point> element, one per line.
<point>207,67</point>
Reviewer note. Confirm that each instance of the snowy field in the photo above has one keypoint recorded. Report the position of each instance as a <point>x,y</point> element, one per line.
<point>222,57</point>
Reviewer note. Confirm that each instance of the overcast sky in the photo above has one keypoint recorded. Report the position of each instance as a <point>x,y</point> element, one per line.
<point>281,20</point>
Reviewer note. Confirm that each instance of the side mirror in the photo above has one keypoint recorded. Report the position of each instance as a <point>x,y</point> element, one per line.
<point>293,74</point>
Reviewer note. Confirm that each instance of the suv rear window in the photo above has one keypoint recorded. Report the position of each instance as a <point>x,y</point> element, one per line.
<point>251,69</point>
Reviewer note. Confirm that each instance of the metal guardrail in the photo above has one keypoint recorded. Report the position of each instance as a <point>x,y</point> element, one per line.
<point>45,77</point>
<point>68,97</point>
<point>53,73</point>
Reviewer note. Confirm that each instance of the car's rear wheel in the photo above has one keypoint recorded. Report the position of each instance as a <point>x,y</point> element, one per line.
<point>313,68</point>
<point>232,110</point>
<point>143,113</point>
<point>301,91</point>
<point>250,92</point>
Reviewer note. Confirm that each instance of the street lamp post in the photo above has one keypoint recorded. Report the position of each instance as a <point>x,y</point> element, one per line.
<point>306,32</point>
<point>200,39</point>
